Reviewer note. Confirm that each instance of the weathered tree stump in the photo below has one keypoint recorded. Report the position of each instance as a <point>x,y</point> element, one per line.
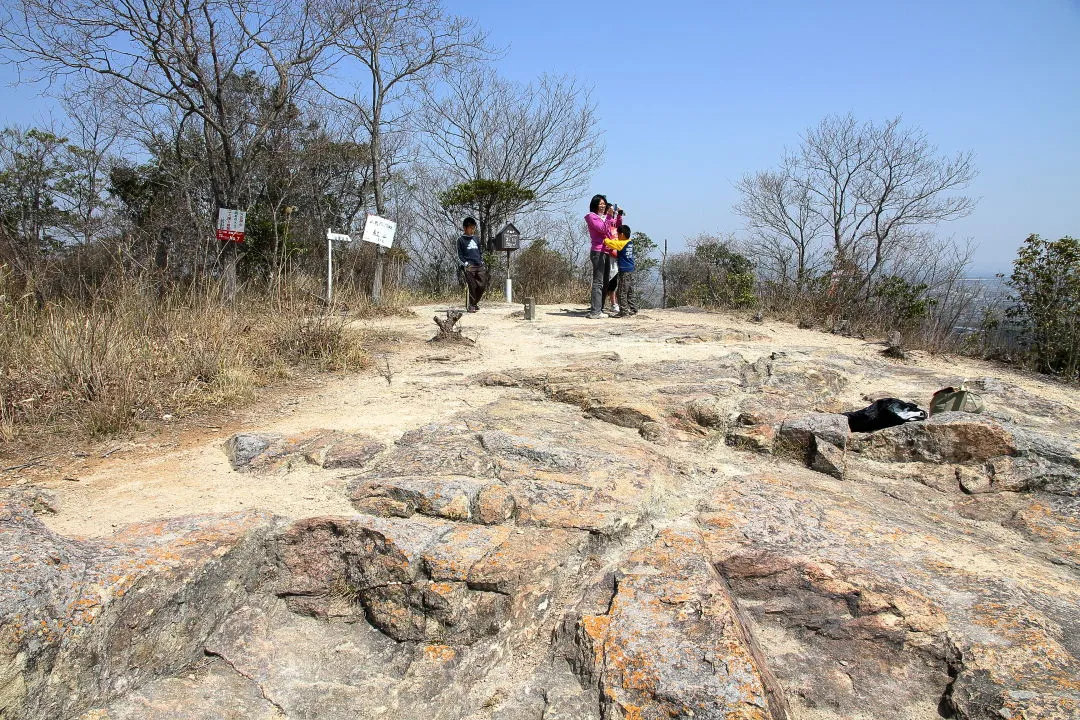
<point>895,348</point>
<point>447,331</point>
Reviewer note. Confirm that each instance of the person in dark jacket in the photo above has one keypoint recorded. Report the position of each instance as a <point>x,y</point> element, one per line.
<point>471,257</point>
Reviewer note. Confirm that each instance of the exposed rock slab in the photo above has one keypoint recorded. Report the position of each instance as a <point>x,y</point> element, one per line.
<point>84,621</point>
<point>214,693</point>
<point>872,607</point>
<point>328,449</point>
<point>670,643</point>
<point>590,548</point>
<point>419,579</point>
<point>520,464</point>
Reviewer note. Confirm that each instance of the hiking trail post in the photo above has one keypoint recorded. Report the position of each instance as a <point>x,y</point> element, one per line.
<point>507,240</point>
<point>330,238</point>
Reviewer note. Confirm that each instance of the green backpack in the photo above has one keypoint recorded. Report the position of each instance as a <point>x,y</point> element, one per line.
<point>959,399</point>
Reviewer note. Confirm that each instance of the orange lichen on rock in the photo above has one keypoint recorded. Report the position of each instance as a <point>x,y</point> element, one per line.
<point>440,654</point>
<point>670,643</point>
<point>1032,658</point>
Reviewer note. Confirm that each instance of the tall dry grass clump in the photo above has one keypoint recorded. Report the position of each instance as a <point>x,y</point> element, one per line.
<point>132,352</point>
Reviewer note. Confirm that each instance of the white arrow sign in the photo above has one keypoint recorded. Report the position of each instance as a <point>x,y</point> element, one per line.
<point>340,237</point>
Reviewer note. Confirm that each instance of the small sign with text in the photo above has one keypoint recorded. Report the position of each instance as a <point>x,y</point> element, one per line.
<point>230,225</point>
<point>379,231</point>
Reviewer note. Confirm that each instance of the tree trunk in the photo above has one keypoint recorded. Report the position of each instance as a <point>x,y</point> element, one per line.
<point>376,176</point>
<point>229,272</point>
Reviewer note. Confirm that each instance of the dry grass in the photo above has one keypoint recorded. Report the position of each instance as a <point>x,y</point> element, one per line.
<point>101,366</point>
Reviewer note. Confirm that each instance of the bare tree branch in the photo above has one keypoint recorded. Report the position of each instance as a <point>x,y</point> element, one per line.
<point>542,137</point>
<point>857,194</point>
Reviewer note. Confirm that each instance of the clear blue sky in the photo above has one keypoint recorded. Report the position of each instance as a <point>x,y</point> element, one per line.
<point>694,94</point>
<point>697,93</point>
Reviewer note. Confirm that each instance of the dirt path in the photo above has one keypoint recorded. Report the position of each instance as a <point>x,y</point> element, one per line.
<point>181,473</point>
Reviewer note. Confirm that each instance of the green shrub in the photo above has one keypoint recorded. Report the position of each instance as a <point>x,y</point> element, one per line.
<point>902,305</point>
<point>1046,282</point>
<point>713,275</point>
<point>545,274</point>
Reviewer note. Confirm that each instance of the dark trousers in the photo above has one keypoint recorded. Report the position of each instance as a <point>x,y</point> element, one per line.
<point>625,293</point>
<point>612,284</point>
<point>599,265</point>
<point>477,278</point>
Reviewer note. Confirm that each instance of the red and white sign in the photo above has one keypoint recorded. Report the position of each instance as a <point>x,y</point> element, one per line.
<point>230,225</point>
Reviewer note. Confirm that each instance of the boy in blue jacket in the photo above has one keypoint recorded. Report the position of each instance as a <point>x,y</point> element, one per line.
<point>625,247</point>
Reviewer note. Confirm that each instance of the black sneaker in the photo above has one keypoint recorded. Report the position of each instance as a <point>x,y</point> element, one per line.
<point>472,308</point>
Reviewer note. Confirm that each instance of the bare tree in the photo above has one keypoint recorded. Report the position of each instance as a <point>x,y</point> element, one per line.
<point>859,193</point>
<point>198,57</point>
<point>908,188</point>
<point>95,133</point>
<point>400,43</point>
<point>777,206</point>
<point>567,234</point>
<point>429,233</point>
<point>540,137</point>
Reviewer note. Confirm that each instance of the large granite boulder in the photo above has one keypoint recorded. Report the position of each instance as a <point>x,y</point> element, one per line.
<point>982,454</point>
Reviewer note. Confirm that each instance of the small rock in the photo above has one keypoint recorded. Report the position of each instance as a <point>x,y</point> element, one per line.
<point>496,379</point>
<point>654,432</point>
<point>758,438</point>
<point>972,480</point>
<point>828,459</point>
<point>494,505</point>
<point>243,448</point>
<point>350,451</point>
<point>707,412</point>
<point>796,437</point>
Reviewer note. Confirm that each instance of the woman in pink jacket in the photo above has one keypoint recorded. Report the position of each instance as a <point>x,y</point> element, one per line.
<point>601,227</point>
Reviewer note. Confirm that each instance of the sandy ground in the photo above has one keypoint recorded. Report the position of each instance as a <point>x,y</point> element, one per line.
<point>179,469</point>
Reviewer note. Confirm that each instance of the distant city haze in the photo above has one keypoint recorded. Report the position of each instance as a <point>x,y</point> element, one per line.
<point>695,94</point>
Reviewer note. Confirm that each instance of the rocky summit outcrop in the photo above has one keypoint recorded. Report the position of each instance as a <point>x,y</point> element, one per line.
<point>86,621</point>
<point>603,540</point>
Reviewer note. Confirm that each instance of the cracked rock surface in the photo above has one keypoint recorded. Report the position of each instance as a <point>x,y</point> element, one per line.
<point>593,536</point>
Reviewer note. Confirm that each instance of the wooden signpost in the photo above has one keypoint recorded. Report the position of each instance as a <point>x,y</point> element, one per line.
<point>377,230</point>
